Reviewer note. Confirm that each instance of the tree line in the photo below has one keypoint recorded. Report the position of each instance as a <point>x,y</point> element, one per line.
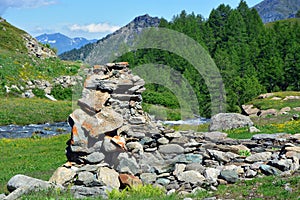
<point>252,57</point>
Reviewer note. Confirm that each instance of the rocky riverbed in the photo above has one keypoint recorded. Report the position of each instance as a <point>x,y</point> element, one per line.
<point>32,130</point>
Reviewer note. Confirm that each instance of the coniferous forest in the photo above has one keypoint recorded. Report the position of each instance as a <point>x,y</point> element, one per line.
<point>252,57</point>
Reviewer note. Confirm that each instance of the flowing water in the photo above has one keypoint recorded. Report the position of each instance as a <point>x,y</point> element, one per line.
<point>42,130</point>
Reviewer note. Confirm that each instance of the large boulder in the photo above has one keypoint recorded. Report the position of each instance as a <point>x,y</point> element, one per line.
<point>227,121</point>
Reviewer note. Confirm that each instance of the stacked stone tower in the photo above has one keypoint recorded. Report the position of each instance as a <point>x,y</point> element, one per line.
<point>110,114</point>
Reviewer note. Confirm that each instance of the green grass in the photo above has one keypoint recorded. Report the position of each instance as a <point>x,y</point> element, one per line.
<point>28,111</point>
<point>291,127</point>
<point>268,103</point>
<point>33,157</point>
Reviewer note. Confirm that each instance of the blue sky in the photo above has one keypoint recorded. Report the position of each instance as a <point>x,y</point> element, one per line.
<point>96,18</point>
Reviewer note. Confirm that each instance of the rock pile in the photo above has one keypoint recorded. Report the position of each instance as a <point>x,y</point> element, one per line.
<point>114,144</point>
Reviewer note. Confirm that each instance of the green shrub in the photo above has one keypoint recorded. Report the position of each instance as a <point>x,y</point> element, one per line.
<point>61,93</point>
<point>38,92</point>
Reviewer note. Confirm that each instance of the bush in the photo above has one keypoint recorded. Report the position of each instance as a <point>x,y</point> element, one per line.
<point>61,93</point>
<point>39,92</point>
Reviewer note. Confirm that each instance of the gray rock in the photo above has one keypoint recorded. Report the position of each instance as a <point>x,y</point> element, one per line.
<point>109,177</point>
<point>19,192</point>
<point>135,147</point>
<point>222,156</point>
<point>214,136</point>
<point>253,129</point>
<point>62,176</point>
<point>163,140</point>
<point>2,196</point>
<point>283,164</point>
<point>179,168</point>
<point>249,173</point>
<point>109,147</point>
<point>137,120</point>
<point>257,157</point>
<point>227,121</point>
<point>127,164</point>
<point>196,167</point>
<point>269,170</point>
<point>81,192</point>
<point>103,122</point>
<point>22,181</point>
<point>148,178</point>
<point>95,157</point>
<point>230,176</point>
<point>211,174</point>
<point>268,136</point>
<point>93,100</point>
<point>87,179</point>
<point>171,149</point>
<point>191,177</point>
<point>163,181</point>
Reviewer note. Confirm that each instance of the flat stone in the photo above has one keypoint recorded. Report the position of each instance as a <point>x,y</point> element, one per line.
<point>62,176</point>
<point>103,122</point>
<point>163,181</point>
<point>269,170</point>
<point>137,120</point>
<point>22,181</point>
<point>82,192</point>
<point>87,179</point>
<point>130,180</point>
<point>283,164</point>
<point>163,140</point>
<point>93,100</point>
<point>171,149</point>
<point>268,136</point>
<point>214,136</point>
<point>191,177</point>
<point>222,156</point>
<point>257,157</point>
<point>231,176</point>
<point>95,157</point>
<point>109,177</point>
<point>148,178</point>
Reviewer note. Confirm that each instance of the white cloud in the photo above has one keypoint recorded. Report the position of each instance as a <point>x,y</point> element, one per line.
<point>94,28</point>
<point>4,4</point>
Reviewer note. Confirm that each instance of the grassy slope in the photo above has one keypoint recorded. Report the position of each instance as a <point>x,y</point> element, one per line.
<point>28,111</point>
<point>33,157</point>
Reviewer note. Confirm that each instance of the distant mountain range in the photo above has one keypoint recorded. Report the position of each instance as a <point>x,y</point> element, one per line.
<point>81,48</point>
<point>274,10</point>
<point>108,45</point>
<point>62,42</point>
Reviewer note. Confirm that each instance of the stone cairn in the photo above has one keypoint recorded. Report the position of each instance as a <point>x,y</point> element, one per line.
<point>114,144</point>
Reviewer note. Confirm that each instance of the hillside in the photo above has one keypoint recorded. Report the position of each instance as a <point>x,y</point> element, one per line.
<point>63,43</point>
<point>25,62</point>
<point>274,10</point>
<point>111,41</point>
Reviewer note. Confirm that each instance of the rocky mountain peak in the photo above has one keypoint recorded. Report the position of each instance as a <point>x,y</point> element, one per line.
<point>273,10</point>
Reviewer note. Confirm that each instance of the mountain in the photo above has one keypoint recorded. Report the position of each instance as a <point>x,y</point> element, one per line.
<point>107,45</point>
<point>63,43</point>
<point>25,60</point>
<point>274,10</point>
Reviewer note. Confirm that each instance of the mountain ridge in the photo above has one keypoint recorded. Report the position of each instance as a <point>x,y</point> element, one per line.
<point>62,42</point>
<point>125,33</point>
<point>274,10</point>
